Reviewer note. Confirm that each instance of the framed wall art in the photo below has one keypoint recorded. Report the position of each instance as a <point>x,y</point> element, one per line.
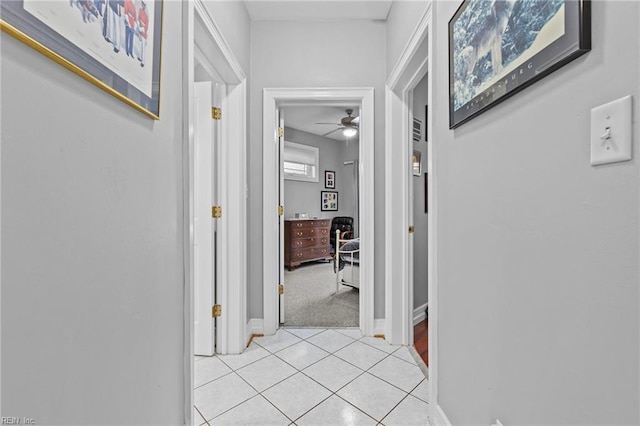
<point>498,48</point>
<point>329,179</point>
<point>328,201</point>
<point>426,120</point>
<point>426,193</point>
<point>417,129</point>
<point>416,163</point>
<point>113,44</point>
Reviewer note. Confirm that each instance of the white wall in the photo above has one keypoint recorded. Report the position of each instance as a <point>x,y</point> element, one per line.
<point>232,20</point>
<point>304,197</point>
<point>420,236</point>
<point>92,273</point>
<point>349,152</point>
<point>538,251</point>
<point>313,54</point>
<point>402,21</point>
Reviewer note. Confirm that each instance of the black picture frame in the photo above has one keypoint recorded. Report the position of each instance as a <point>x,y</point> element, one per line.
<point>416,163</point>
<point>74,34</point>
<point>328,201</point>
<point>417,129</point>
<point>562,31</point>
<point>426,120</point>
<point>329,179</point>
<point>426,193</point>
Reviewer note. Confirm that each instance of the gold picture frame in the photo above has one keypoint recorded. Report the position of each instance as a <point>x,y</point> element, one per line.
<point>116,50</point>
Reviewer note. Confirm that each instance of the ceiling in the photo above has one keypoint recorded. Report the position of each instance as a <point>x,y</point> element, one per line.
<point>301,10</point>
<point>304,118</point>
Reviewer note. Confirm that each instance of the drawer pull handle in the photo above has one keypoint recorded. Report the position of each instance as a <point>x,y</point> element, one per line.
<point>299,234</point>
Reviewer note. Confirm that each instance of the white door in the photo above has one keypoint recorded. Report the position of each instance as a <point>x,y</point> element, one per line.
<point>203,225</point>
<point>281,214</point>
<point>219,236</point>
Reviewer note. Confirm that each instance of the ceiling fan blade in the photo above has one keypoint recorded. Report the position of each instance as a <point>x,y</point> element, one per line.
<point>333,131</point>
<point>334,124</point>
<point>356,120</point>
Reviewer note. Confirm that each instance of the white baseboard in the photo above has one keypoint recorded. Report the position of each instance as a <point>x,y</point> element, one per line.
<point>378,327</point>
<point>418,314</point>
<point>254,326</point>
<point>438,417</point>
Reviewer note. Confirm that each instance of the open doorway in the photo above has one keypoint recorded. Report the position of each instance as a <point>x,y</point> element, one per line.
<point>214,212</point>
<point>273,218</point>
<point>320,168</point>
<point>420,211</point>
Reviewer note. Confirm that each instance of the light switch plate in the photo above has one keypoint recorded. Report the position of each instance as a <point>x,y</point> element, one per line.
<point>611,132</point>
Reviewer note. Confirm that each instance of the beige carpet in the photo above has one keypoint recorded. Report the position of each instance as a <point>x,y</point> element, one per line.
<point>310,299</point>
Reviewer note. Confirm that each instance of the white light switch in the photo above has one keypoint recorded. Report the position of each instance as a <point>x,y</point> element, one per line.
<point>611,132</point>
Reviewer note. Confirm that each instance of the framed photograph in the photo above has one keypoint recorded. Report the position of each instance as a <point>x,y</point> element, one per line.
<point>416,163</point>
<point>329,179</point>
<point>498,48</point>
<point>417,130</point>
<point>328,201</point>
<point>426,120</point>
<point>112,44</point>
<point>426,193</point>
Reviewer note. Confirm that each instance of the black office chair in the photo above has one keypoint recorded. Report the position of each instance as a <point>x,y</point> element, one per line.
<point>345,225</point>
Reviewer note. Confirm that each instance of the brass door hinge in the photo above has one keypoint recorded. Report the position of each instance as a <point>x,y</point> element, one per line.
<point>216,113</point>
<point>280,210</point>
<point>411,230</point>
<point>216,212</point>
<point>216,311</point>
<point>281,289</point>
<point>281,132</point>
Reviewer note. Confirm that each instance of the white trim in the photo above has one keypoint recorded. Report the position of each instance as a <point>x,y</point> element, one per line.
<point>378,327</point>
<point>418,314</point>
<point>273,99</point>
<point>413,64</point>
<point>409,51</point>
<point>438,417</point>
<point>398,283</point>
<point>227,58</point>
<point>232,192</point>
<point>254,326</point>
<point>233,222</point>
<point>188,47</point>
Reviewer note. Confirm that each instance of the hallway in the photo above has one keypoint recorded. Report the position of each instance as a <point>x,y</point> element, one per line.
<point>312,376</point>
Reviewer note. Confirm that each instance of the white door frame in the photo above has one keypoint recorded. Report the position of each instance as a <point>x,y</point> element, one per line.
<point>272,100</point>
<point>232,192</point>
<point>413,65</point>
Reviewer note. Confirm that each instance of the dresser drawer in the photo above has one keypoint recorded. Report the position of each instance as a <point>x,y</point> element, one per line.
<point>298,255</point>
<point>306,224</point>
<point>307,233</point>
<point>309,242</point>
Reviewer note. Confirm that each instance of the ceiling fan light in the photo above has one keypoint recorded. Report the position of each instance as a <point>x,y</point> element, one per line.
<point>349,131</point>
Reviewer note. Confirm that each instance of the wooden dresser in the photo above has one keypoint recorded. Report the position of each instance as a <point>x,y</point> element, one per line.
<point>306,240</point>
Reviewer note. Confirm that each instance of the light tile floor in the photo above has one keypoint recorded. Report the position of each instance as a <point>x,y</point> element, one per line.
<point>312,376</point>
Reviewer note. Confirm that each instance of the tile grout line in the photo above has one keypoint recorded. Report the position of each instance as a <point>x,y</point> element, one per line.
<point>205,420</point>
<point>211,381</point>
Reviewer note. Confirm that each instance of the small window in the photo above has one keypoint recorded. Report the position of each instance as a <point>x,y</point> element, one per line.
<point>300,162</point>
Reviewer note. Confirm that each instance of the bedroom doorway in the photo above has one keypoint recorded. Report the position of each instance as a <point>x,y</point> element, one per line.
<point>320,192</point>
<point>275,100</point>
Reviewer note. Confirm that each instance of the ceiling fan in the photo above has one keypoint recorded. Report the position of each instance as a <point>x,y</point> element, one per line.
<point>349,125</point>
